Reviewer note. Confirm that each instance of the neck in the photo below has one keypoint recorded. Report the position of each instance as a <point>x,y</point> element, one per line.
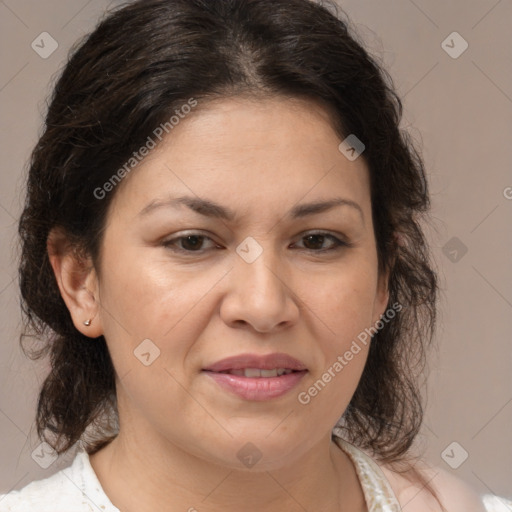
<point>161,476</point>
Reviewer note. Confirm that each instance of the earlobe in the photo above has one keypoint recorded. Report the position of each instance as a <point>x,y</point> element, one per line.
<point>77,282</point>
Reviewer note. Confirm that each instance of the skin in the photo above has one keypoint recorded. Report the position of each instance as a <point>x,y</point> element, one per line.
<point>180,433</point>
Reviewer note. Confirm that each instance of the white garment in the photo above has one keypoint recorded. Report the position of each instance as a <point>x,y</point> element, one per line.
<point>77,489</point>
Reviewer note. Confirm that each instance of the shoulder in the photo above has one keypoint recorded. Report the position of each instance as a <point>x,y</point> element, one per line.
<point>55,493</point>
<point>64,491</point>
<point>43,495</point>
<point>454,493</point>
<point>410,487</point>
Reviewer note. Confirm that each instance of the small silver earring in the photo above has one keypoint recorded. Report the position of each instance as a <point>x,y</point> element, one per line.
<point>87,323</point>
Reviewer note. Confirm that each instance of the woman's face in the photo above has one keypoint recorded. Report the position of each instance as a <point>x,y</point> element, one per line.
<point>256,283</point>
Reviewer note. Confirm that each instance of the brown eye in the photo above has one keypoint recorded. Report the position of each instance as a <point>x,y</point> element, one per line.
<point>187,243</point>
<point>192,242</point>
<point>315,241</point>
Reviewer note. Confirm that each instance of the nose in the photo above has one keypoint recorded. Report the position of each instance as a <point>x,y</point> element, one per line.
<point>260,295</point>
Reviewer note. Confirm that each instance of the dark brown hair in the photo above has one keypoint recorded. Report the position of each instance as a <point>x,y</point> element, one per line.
<point>143,61</point>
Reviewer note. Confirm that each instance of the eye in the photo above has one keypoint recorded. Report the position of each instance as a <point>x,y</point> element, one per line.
<point>314,242</point>
<point>187,243</point>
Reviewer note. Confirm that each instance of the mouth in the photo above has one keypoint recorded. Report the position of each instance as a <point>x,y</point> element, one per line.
<point>258,373</point>
<point>257,378</point>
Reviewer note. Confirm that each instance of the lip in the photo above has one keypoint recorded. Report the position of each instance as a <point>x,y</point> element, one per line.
<point>257,388</point>
<point>264,362</point>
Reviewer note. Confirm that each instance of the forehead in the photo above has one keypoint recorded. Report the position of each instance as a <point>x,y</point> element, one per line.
<point>239,150</point>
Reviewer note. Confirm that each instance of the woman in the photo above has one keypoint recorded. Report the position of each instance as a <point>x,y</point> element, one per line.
<point>222,248</point>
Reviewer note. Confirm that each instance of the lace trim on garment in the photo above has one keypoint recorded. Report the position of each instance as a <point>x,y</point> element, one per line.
<point>377,491</point>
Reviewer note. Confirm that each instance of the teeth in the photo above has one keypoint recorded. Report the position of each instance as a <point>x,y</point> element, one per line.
<point>256,372</point>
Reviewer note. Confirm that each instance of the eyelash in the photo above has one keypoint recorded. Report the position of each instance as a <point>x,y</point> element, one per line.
<point>338,244</point>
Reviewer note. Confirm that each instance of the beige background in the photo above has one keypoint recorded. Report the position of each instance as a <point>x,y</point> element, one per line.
<point>460,110</point>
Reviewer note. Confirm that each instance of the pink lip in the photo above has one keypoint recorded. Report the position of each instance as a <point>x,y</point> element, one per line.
<point>268,362</point>
<point>257,388</point>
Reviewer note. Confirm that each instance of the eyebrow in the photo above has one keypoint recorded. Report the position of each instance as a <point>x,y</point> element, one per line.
<point>209,208</point>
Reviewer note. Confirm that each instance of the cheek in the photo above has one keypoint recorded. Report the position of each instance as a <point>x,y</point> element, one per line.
<point>143,291</point>
<point>342,307</point>
<point>146,298</point>
<point>327,394</point>
<point>343,303</point>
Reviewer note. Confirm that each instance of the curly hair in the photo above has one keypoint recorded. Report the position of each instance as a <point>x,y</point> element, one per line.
<point>141,62</point>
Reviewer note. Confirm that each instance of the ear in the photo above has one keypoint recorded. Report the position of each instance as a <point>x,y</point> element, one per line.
<point>382,295</point>
<point>77,281</point>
